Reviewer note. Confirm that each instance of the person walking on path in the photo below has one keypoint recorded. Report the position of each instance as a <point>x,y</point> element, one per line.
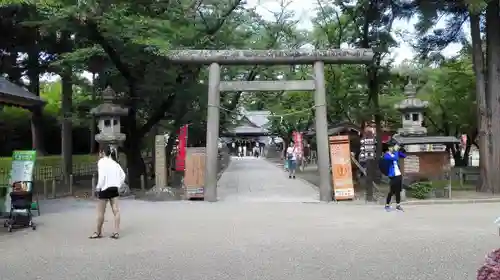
<point>110,179</point>
<point>391,159</point>
<point>291,156</point>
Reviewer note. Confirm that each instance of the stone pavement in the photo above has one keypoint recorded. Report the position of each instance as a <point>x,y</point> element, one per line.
<point>256,179</point>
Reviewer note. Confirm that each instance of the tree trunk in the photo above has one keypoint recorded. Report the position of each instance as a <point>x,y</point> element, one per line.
<point>373,95</point>
<point>66,124</point>
<point>93,143</point>
<point>34,87</point>
<point>482,121</point>
<point>135,162</point>
<point>493,92</point>
<point>152,135</point>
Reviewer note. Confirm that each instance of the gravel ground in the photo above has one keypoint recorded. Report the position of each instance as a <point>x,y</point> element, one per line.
<point>253,238</point>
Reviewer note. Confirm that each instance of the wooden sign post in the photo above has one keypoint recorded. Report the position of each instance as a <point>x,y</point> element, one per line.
<point>194,174</point>
<point>340,158</point>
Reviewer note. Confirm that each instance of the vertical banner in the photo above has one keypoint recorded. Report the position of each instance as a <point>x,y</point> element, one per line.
<point>297,139</point>
<point>340,158</point>
<point>180,160</point>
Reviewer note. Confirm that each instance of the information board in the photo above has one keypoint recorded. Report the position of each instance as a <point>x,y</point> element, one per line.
<point>367,149</point>
<point>23,166</point>
<point>411,164</point>
<point>340,157</point>
<point>194,174</point>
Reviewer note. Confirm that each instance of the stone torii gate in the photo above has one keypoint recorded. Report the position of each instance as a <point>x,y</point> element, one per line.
<point>318,58</point>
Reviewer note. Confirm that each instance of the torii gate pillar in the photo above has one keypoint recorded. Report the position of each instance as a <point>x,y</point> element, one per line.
<point>318,58</point>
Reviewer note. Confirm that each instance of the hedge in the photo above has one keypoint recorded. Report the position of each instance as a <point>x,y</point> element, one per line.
<point>53,161</point>
<point>46,167</point>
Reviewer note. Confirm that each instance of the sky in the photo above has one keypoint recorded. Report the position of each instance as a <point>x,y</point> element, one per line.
<point>304,11</point>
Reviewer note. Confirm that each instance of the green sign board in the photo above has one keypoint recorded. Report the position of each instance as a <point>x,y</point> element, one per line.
<point>23,167</point>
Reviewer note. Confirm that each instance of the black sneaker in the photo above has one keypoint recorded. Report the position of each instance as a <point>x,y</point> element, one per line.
<point>294,177</point>
<point>289,177</point>
<point>398,207</point>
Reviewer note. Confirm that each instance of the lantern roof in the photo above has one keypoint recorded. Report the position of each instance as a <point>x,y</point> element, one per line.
<point>108,107</point>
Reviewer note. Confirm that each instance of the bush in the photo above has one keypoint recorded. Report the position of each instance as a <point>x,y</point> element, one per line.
<point>50,164</point>
<point>420,190</point>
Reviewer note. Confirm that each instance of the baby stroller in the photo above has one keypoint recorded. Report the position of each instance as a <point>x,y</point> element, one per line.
<point>21,199</point>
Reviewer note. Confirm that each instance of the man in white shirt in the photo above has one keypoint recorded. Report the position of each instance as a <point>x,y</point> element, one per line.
<point>110,179</point>
<point>291,156</point>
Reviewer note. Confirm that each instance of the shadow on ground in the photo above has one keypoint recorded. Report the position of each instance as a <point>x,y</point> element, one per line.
<point>61,205</point>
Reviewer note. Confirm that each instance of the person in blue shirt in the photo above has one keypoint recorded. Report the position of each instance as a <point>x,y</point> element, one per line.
<point>392,157</point>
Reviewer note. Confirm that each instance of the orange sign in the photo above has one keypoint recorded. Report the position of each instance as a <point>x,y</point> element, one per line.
<point>340,158</point>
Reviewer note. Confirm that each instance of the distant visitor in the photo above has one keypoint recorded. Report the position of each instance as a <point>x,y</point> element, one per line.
<point>291,157</point>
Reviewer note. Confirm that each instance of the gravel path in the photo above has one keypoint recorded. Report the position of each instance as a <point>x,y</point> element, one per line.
<point>244,236</point>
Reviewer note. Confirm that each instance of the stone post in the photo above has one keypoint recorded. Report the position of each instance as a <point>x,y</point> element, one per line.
<point>325,189</point>
<point>160,162</point>
<point>212,133</point>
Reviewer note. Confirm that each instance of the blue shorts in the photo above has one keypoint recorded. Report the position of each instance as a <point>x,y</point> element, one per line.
<point>292,164</point>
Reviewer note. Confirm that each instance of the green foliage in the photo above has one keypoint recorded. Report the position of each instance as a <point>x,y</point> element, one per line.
<point>420,190</point>
<point>292,111</point>
<point>450,89</point>
<point>124,44</point>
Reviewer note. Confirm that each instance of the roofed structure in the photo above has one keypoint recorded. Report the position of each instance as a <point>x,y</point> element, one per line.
<point>251,123</point>
<point>12,94</point>
<point>338,128</point>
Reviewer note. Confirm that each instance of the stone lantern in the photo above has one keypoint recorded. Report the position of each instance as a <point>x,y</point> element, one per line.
<point>427,156</point>
<point>412,113</point>
<point>108,117</point>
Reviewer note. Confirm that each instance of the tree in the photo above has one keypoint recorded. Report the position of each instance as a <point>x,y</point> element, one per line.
<point>484,17</point>
<point>450,89</point>
<point>131,37</point>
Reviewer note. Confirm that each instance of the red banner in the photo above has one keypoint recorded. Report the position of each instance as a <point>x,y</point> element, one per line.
<point>297,139</point>
<point>180,159</point>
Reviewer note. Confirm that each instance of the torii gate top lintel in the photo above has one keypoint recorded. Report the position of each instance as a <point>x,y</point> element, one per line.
<point>271,57</point>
